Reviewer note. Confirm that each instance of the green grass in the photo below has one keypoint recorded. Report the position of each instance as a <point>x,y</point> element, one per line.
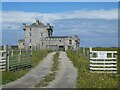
<point>51,76</point>
<point>11,76</point>
<point>36,58</point>
<point>86,79</point>
<point>105,49</point>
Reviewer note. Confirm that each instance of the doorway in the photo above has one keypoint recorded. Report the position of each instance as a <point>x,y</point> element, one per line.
<point>61,48</point>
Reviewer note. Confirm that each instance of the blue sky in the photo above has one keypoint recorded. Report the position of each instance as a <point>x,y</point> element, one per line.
<point>94,22</point>
<point>57,6</point>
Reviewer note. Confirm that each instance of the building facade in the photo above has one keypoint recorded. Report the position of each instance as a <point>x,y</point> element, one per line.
<point>39,36</point>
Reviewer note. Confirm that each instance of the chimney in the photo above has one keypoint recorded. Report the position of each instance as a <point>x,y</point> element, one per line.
<point>37,22</point>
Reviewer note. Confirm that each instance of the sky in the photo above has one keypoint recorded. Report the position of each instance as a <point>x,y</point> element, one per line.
<point>94,22</point>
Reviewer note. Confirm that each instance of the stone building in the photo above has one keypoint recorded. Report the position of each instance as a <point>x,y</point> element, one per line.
<point>39,36</point>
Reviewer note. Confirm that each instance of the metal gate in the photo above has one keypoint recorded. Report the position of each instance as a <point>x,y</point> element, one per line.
<point>17,59</point>
<point>103,61</point>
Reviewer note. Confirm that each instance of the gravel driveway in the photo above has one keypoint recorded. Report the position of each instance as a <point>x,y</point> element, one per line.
<point>66,75</point>
<point>34,76</point>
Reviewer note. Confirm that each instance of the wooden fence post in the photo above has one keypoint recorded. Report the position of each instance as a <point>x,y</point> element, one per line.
<point>7,57</point>
<point>20,55</point>
<point>90,52</point>
<point>31,56</point>
<point>90,49</point>
<point>84,51</point>
<point>12,53</point>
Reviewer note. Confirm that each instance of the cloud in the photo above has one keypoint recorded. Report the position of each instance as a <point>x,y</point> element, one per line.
<point>92,26</point>
<point>29,17</point>
<point>92,32</point>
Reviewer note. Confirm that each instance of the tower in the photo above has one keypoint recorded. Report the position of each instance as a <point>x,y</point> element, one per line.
<point>36,33</point>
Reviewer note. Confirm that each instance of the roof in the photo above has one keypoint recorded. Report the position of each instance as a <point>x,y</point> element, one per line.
<point>38,24</point>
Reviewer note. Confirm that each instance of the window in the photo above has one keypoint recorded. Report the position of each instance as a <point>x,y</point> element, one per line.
<point>30,40</point>
<point>59,40</point>
<point>30,29</point>
<point>30,34</point>
<point>41,34</point>
<point>70,41</point>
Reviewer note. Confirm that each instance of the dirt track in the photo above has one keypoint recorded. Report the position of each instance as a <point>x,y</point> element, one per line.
<point>34,76</point>
<point>65,77</point>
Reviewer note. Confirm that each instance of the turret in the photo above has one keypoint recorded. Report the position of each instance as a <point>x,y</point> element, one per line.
<point>24,26</point>
<point>50,29</point>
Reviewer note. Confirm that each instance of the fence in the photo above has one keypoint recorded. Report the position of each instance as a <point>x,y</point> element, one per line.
<point>2,60</point>
<point>103,61</point>
<point>15,59</point>
<point>85,51</point>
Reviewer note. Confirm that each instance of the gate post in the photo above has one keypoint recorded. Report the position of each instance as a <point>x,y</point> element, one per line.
<point>7,57</point>
<point>90,52</point>
<point>31,56</point>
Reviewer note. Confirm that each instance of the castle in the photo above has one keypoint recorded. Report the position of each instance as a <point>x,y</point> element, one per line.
<point>39,36</point>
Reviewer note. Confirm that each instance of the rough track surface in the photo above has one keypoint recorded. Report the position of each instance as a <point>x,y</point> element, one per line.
<point>66,75</point>
<point>35,75</point>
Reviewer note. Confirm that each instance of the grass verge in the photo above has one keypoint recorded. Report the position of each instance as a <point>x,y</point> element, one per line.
<point>51,76</point>
<point>36,58</point>
<point>86,79</point>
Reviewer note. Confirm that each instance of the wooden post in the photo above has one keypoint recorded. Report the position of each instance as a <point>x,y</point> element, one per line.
<point>12,53</point>
<point>90,49</point>
<point>20,54</point>
<point>4,49</point>
<point>84,51</point>
<point>112,55</point>
<point>31,57</point>
<point>90,52</point>
<point>7,57</point>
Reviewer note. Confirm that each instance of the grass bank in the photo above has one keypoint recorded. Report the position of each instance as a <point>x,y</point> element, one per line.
<point>37,56</point>
<point>86,79</point>
<point>51,76</point>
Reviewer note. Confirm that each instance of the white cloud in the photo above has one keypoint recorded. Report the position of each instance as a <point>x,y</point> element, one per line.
<point>20,17</point>
<point>68,22</point>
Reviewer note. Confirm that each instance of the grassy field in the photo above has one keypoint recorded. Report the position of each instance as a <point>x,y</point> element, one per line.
<point>86,79</point>
<point>11,76</point>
